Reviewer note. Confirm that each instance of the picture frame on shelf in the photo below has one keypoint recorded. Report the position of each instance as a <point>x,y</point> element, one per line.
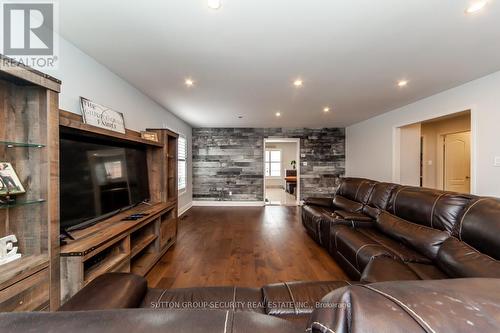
<point>9,181</point>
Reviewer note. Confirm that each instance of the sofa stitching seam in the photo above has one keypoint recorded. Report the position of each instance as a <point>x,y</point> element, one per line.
<point>340,254</point>
<point>465,214</point>
<point>323,326</point>
<point>403,306</point>
<point>359,250</point>
<point>292,298</point>
<point>434,207</point>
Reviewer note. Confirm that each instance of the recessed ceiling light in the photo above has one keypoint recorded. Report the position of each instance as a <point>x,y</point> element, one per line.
<point>189,82</point>
<point>326,109</point>
<point>298,83</point>
<point>240,117</point>
<point>278,114</point>
<point>214,4</point>
<point>476,6</point>
<point>402,83</point>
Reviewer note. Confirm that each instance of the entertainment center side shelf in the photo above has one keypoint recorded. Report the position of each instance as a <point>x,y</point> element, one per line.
<point>117,245</point>
<point>29,215</point>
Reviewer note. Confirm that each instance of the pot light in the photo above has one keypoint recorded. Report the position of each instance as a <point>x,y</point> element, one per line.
<point>326,109</point>
<point>298,83</point>
<point>189,82</point>
<point>402,83</point>
<point>278,114</point>
<point>476,6</point>
<point>214,4</point>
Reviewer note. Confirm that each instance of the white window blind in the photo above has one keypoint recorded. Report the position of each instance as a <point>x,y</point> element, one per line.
<point>182,163</point>
<point>273,163</point>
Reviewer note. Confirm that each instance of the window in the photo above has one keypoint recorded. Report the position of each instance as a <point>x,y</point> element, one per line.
<point>182,164</point>
<point>273,163</point>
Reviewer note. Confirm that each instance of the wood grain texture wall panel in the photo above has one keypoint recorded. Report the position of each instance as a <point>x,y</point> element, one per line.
<point>231,160</point>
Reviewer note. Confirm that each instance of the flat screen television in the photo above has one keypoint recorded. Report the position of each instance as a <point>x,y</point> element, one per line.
<point>98,178</point>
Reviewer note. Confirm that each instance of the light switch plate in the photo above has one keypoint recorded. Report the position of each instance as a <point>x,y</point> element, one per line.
<point>304,163</point>
<point>497,161</point>
<point>302,155</point>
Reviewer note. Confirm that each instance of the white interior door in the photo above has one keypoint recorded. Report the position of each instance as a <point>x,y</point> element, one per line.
<point>457,162</point>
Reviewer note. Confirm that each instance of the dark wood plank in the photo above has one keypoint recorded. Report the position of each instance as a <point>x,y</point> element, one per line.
<point>247,247</point>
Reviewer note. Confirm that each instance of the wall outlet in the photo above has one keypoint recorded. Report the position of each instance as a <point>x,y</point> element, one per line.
<point>302,155</point>
<point>304,163</point>
<point>497,161</point>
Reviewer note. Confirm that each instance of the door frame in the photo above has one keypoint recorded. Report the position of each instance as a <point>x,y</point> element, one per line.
<point>297,159</point>
<point>396,143</point>
<point>441,165</point>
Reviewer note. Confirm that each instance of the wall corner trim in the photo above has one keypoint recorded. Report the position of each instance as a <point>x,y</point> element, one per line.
<point>184,208</point>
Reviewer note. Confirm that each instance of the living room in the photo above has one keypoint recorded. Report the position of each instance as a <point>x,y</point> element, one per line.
<point>217,165</point>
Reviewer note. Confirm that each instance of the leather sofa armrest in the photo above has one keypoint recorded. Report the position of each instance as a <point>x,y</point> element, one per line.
<point>109,291</point>
<point>323,202</point>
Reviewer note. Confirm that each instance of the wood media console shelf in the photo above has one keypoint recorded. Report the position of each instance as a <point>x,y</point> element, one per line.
<point>116,245</point>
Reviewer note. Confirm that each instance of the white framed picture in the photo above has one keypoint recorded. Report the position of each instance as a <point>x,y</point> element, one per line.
<point>9,181</point>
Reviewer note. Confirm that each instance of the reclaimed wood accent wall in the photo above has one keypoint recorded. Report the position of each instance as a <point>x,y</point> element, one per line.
<point>231,160</point>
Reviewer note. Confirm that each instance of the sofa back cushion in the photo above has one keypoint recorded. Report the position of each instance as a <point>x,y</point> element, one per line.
<point>459,260</point>
<point>379,198</point>
<point>342,203</point>
<point>423,239</point>
<point>356,189</point>
<point>479,227</point>
<point>431,208</point>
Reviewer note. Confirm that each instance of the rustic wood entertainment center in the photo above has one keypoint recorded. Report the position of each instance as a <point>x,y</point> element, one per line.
<point>116,245</point>
<point>46,273</point>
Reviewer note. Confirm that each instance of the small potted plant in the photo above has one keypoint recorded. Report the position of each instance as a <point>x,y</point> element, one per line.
<point>293,164</point>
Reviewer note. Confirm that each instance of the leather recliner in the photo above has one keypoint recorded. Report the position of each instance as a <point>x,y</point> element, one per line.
<point>406,233</point>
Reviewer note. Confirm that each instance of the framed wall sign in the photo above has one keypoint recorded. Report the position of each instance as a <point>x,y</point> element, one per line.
<point>100,116</point>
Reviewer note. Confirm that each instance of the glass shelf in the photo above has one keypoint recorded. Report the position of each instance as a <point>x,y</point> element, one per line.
<point>10,144</point>
<point>21,203</point>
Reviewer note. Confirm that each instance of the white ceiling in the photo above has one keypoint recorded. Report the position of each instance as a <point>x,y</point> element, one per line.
<point>245,56</point>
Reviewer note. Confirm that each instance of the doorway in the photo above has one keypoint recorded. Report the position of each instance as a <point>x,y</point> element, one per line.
<point>435,153</point>
<point>281,171</point>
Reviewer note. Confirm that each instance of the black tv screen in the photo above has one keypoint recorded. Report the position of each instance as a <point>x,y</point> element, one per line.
<point>99,178</point>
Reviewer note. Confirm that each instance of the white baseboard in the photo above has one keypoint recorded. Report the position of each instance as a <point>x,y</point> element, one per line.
<point>229,203</point>
<point>184,209</point>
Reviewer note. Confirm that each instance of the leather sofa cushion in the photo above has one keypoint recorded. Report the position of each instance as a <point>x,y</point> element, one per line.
<point>342,203</point>
<point>355,247</point>
<point>109,291</point>
<point>297,298</point>
<point>397,249</point>
<point>349,187</point>
<point>312,219</point>
<point>421,238</point>
<point>365,191</point>
<point>381,269</point>
<point>206,298</point>
<point>431,208</point>
<point>323,202</point>
<point>145,320</point>
<point>480,226</point>
<point>445,306</point>
<point>353,216</point>
<point>427,271</point>
<point>460,260</point>
<point>381,194</point>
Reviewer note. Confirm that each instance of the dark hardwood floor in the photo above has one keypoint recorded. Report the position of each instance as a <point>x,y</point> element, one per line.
<point>242,246</point>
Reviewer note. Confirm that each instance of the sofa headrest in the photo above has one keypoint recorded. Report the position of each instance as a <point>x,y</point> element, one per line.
<point>480,226</point>
<point>356,189</point>
<point>432,208</point>
<point>381,194</point>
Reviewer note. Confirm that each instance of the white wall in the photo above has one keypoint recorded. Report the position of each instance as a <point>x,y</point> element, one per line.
<point>409,155</point>
<point>370,143</point>
<point>81,75</point>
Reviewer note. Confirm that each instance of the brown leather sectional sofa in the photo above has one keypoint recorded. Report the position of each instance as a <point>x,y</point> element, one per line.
<point>387,232</point>
<point>121,302</point>
<point>424,261</point>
